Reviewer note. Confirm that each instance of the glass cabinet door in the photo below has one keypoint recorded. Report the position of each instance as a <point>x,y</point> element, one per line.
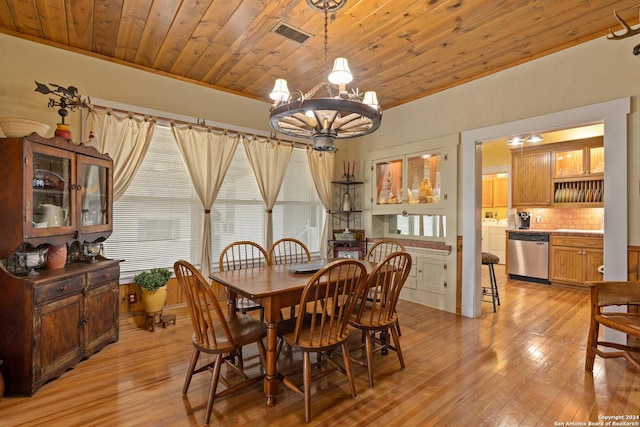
<point>389,181</point>
<point>94,198</point>
<point>51,196</point>
<point>596,160</point>
<point>424,179</point>
<point>568,163</point>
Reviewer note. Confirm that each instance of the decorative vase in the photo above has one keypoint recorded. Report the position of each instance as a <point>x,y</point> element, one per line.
<point>346,202</point>
<point>63,131</point>
<point>153,301</point>
<point>56,257</point>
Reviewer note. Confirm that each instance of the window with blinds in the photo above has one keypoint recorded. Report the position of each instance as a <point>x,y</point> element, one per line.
<point>159,218</point>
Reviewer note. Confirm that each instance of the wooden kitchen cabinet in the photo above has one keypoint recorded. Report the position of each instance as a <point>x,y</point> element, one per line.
<point>501,192</point>
<point>495,191</point>
<point>531,172</point>
<point>578,173</point>
<point>487,192</point>
<point>54,320</point>
<point>574,260</point>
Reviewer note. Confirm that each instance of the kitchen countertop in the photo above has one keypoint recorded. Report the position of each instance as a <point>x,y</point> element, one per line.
<point>561,232</point>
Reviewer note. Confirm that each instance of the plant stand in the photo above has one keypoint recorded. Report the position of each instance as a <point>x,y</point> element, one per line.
<point>157,318</point>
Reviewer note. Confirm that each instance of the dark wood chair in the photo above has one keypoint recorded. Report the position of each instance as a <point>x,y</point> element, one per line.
<point>242,255</point>
<point>215,334</point>
<point>375,309</point>
<point>380,249</point>
<point>328,298</point>
<point>608,294</point>
<point>289,251</point>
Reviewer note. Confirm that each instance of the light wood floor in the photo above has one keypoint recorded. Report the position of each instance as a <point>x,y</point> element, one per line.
<point>522,366</point>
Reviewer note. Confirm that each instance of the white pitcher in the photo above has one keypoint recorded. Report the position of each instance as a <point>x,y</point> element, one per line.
<point>54,215</point>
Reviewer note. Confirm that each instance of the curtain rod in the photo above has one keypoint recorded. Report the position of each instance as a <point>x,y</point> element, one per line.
<point>197,123</point>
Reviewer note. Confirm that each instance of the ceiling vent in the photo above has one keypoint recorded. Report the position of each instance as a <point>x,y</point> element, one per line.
<point>286,30</point>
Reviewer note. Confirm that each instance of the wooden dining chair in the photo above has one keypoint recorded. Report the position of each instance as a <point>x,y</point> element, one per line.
<point>608,294</point>
<point>289,251</point>
<point>328,298</point>
<point>375,309</point>
<point>379,250</point>
<point>215,334</point>
<point>242,255</point>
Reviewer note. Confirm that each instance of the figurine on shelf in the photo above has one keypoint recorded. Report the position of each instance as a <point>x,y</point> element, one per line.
<point>426,191</point>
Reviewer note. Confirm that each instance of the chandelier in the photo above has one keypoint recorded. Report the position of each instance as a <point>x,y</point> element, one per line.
<point>345,115</point>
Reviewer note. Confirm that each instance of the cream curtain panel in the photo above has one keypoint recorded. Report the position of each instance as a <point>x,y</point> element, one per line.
<point>322,165</point>
<point>207,155</point>
<point>126,139</point>
<point>268,160</point>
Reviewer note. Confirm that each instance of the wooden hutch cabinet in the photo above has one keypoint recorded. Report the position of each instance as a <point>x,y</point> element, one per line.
<point>54,193</point>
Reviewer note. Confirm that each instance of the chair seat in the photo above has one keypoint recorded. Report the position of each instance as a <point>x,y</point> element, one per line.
<point>489,258</point>
<point>367,322</point>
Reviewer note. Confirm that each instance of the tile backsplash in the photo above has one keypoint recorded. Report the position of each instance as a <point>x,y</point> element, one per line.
<point>569,218</point>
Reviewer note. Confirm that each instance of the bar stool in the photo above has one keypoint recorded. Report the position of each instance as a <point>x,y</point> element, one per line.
<point>490,259</point>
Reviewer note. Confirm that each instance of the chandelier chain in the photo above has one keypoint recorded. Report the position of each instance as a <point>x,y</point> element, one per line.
<point>324,82</point>
<point>326,46</point>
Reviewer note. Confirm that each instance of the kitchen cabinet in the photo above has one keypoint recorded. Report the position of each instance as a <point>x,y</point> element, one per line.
<point>562,174</point>
<point>531,172</point>
<point>53,320</point>
<point>501,192</point>
<point>495,191</point>
<point>487,192</point>
<point>578,177</point>
<point>431,278</point>
<point>61,192</point>
<point>574,260</point>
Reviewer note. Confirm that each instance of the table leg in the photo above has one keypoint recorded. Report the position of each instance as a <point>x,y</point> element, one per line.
<point>231,303</point>
<point>271,378</point>
<point>272,315</point>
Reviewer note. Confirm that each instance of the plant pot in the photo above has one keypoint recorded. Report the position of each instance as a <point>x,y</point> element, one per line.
<point>153,301</point>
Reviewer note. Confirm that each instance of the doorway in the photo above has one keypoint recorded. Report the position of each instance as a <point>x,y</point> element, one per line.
<point>613,114</point>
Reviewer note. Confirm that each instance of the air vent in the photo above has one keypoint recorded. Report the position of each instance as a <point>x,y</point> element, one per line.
<point>286,30</point>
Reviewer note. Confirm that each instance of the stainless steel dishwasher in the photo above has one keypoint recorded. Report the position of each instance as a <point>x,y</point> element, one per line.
<point>528,256</point>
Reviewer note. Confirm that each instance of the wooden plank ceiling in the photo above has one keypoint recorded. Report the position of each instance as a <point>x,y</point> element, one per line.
<point>403,49</point>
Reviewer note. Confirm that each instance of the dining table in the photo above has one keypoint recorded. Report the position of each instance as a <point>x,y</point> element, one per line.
<point>273,287</point>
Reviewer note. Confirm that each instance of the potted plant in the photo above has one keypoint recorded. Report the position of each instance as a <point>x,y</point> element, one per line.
<point>153,284</point>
